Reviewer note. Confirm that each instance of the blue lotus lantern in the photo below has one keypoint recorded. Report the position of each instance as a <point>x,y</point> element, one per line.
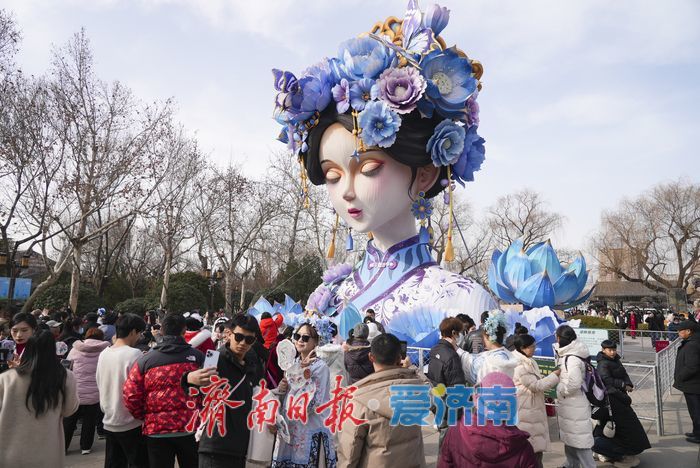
<point>536,278</point>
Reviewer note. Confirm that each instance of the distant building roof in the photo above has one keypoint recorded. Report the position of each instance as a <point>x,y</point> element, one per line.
<point>605,289</point>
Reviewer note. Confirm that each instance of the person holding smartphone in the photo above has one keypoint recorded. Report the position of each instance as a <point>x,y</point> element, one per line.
<point>236,363</point>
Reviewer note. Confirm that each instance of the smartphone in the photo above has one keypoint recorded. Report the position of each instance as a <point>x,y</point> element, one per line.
<point>404,349</point>
<point>211,359</point>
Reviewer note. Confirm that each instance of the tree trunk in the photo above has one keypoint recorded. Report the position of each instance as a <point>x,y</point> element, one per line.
<point>166,281</point>
<point>242,293</point>
<point>75,278</point>
<point>228,294</point>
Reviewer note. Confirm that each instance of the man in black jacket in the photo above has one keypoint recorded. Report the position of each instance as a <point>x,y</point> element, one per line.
<point>238,364</point>
<point>445,366</point>
<point>686,377</point>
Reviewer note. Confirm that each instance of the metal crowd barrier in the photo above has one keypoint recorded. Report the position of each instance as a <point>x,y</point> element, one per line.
<point>651,381</point>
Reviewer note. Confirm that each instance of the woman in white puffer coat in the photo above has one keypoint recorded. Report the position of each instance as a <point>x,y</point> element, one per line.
<point>531,386</point>
<point>574,410</point>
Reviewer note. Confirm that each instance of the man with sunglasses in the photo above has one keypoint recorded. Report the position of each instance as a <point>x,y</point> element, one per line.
<point>238,364</point>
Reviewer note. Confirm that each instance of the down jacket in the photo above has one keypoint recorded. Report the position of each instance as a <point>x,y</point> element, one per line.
<point>574,411</point>
<point>532,416</point>
<point>154,392</point>
<point>357,362</point>
<point>377,443</point>
<point>445,366</point>
<point>485,446</point>
<point>269,329</point>
<point>84,355</point>
<point>686,377</point>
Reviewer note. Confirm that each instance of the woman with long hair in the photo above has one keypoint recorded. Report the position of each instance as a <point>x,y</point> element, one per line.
<point>22,327</point>
<point>306,386</point>
<point>531,386</point>
<point>35,396</point>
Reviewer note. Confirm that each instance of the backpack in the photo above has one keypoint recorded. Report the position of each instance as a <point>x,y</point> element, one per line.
<point>593,386</point>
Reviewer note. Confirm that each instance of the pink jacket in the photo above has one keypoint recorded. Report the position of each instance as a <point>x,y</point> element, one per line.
<point>84,356</point>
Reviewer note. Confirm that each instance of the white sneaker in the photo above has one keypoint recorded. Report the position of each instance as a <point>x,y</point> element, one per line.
<point>85,452</point>
<point>600,457</point>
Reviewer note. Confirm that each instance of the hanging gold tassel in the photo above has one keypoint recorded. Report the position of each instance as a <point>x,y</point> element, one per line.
<point>370,236</point>
<point>331,248</point>
<point>449,248</point>
<point>304,183</point>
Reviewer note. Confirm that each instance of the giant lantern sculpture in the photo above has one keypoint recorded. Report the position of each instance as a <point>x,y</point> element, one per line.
<point>536,279</point>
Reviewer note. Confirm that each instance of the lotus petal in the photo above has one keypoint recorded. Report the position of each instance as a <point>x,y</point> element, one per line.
<point>262,305</point>
<point>500,270</point>
<point>578,301</point>
<point>536,291</point>
<point>566,287</point>
<point>578,266</point>
<point>498,288</point>
<point>349,317</point>
<point>544,258</point>
<point>291,306</point>
<point>514,249</point>
<point>533,247</point>
<point>518,270</point>
<point>419,326</point>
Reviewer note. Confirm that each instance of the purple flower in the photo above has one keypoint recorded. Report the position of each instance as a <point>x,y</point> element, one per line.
<point>436,18</point>
<point>473,110</point>
<point>362,57</point>
<point>340,271</point>
<point>471,158</point>
<point>361,92</point>
<point>341,94</point>
<point>401,88</point>
<point>379,124</point>
<point>318,300</point>
<point>446,144</point>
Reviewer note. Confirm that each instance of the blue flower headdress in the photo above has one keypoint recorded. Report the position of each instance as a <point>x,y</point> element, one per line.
<point>322,325</point>
<point>398,67</point>
<point>495,319</point>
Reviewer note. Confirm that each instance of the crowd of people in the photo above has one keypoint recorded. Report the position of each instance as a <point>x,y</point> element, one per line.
<point>140,382</point>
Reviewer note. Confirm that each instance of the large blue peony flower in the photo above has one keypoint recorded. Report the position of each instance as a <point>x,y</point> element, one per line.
<point>362,57</point>
<point>471,158</point>
<point>379,124</point>
<point>311,94</point>
<point>450,83</point>
<point>446,143</point>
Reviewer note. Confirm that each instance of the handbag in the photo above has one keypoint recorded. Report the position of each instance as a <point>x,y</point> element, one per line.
<point>609,428</point>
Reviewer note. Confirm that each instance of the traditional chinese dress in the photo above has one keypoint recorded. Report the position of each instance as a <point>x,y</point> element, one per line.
<point>310,443</point>
<point>409,292</point>
<point>494,360</point>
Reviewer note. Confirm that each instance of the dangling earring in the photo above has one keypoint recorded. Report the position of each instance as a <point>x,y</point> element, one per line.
<point>422,209</point>
<point>331,248</point>
<point>349,243</point>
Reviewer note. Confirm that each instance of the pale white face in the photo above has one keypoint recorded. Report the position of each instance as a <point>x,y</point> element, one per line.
<point>375,192</point>
<point>367,193</point>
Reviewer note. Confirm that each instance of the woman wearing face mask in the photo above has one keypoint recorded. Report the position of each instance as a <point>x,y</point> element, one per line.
<point>306,386</point>
<point>35,396</point>
<point>386,135</point>
<point>531,387</point>
<point>22,327</point>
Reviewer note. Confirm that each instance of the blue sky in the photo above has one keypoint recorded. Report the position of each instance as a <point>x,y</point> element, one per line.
<point>584,101</point>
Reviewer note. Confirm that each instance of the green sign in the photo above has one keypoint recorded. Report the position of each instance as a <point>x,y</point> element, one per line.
<point>547,366</point>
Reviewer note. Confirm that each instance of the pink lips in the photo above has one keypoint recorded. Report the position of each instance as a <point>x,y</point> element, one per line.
<point>355,213</point>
